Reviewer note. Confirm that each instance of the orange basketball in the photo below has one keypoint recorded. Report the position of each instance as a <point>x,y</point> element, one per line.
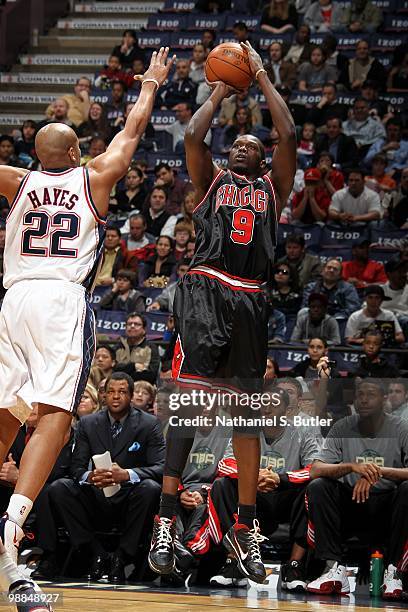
<point>229,63</point>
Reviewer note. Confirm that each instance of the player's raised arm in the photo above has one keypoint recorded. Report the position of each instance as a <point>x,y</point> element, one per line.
<point>10,179</point>
<point>114,163</point>
<point>200,165</point>
<point>284,157</point>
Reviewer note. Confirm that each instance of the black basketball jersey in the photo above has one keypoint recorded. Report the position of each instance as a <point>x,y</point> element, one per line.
<point>236,226</point>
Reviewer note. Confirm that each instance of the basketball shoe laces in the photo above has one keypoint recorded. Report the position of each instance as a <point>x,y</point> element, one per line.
<point>164,538</point>
<point>254,537</point>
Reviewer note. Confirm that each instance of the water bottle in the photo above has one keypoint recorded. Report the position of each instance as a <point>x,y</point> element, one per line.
<point>376,573</point>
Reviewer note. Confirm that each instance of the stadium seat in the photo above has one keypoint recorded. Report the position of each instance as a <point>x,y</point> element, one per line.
<point>252,21</point>
<point>184,40</point>
<point>387,42</point>
<point>396,23</point>
<point>205,21</point>
<point>333,252</point>
<point>162,21</point>
<point>154,40</point>
<point>337,236</point>
<point>178,5</point>
<point>311,234</point>
<point>385,238</point>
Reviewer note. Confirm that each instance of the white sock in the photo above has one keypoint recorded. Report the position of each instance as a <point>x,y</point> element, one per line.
<point>19,508</point>
<point>8,572</point>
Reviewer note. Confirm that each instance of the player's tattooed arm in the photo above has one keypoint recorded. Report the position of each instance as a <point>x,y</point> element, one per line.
<point>10,180</point>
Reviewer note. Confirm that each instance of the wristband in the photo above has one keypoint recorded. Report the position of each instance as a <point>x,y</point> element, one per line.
<point>259,72</point>
<point>151,81</point>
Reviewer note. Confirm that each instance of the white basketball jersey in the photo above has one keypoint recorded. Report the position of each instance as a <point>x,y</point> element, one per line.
<point>54,231</point>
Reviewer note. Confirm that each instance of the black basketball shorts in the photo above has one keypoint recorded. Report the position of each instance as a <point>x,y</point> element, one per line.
<point>222,326</point>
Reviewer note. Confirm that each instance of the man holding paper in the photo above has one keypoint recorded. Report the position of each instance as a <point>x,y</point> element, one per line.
<point>128,446</point>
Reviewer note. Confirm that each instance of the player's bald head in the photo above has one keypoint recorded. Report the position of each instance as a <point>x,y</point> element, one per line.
<point>57,146</point>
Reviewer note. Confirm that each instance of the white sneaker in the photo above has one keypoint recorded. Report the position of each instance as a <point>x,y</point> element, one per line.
<point>333,581</point>
<point>392,585</point>
<point>11,535</point>
<point>229,575</point>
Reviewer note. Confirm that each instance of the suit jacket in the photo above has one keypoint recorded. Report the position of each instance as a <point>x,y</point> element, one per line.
<point>94,438</point>
<point>347,152</point>
<point>287,73</point>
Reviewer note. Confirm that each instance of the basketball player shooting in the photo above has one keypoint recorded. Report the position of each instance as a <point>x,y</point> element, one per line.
<point>54,241</point>
<point>220,311</point>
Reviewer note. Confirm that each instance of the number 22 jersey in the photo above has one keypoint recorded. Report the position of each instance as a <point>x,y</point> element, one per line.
<point>236,226</point>
<point>54,231</point>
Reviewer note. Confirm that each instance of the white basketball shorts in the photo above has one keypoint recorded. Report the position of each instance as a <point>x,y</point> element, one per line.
<point>47,343</point>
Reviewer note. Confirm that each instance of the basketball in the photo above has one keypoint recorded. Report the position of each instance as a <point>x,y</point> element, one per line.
<point>229,63</point>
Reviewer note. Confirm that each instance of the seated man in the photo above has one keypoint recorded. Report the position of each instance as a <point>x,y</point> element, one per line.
<point>355,204</point>
<point>286,453</point>
<point>314,322</point>
<point>136,355</point>
<point>342,297</point>
<point>371,363</point>
<point>360,480</point>
<point>372,316</point>
<point>362,271</point>
<point>136,444</point>
<point>123,296</point>
<point>307,266</point>
<point>398,398</point>
<point>396,289</point>
<point>165,300</point>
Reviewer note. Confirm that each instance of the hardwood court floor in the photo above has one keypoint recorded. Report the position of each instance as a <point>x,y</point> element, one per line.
<point>89,599</point>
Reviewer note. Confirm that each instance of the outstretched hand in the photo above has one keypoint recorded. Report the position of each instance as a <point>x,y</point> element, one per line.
<point>159,67</point>
<point>255,61</point>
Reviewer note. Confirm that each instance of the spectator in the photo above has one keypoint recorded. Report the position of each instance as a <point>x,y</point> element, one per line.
<point>95,127</point>
<point>272,370</point>
<point>364,129</point>
<point>396,204</point>
<point>372,316</point>
<point>7,157</point>
<point>342,297</point>
<point>281,72</point>
<point>308,266</point>
<point>143,396</point>
<point>137,238</point>
<point>178,128</point>
<point>190,249</point>
<point>129,51</point>
<point>397,79</point>
<point>398,398</point>
<point>334,58</point>
<point>370,91</point>
<point>57,112</point>
<point>323,16</point>
<point>371,364</point>
<point>371,492</point>
<point>89,402</point>
<point>208,38</point>
<point>285,294</point>
<point>147,141</point>
<point>362,271</point>
<point>361,68</point>
<point>396,290</point>
<point>78,103</point>
<point>379,181</point>
<point>314,74</point>
<point>301,47</point>
<point>361,16</point>
<point>158,220</point>
<point>239,100</point>
<point>181,237</point>
<point>97,146</point>
<point>332,179</point>
<point>81,502</point>
<point>24,147</point>
<point>197,64</point>
<point>134,194</point>
<point>306,145</point>
<point>112,258</point>
<point>314,322</point>
<point>187,209</point>
<point>166,298</point>
<point>316,360</point>
<point>160,266</point>
<point>241,124</point>
<point>355,204</point>
<point>278,17</point>
<point>117,107</point>
<point>105,360</point>
<point>176,188</point>
<point>138,67</point>
<point>181,88</point>
<point>276,326</point>
<point>113,72</point>
<point>136,356</point>
<point>392,145</point>
<point>342,148</point>
<point>123,297</point>
<point>311,204</point>
<point>327,107</point>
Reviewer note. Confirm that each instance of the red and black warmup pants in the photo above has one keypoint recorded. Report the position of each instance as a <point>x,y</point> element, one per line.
<point>333,517</point>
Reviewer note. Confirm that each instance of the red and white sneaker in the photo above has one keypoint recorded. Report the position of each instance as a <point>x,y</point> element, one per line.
<point>11,535</point>
<point>333,581</point>
<point>392,585</point>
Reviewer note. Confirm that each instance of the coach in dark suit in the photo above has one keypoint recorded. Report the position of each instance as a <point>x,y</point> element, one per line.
<point>136,445</point>
<point>343,148</point>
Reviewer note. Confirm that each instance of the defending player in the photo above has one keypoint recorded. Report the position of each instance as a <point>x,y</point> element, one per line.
<point>220,309</point>
<point>54,238</point>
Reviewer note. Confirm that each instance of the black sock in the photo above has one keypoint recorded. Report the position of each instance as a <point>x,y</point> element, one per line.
<point>167,505</point>
<point>246,515</point>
